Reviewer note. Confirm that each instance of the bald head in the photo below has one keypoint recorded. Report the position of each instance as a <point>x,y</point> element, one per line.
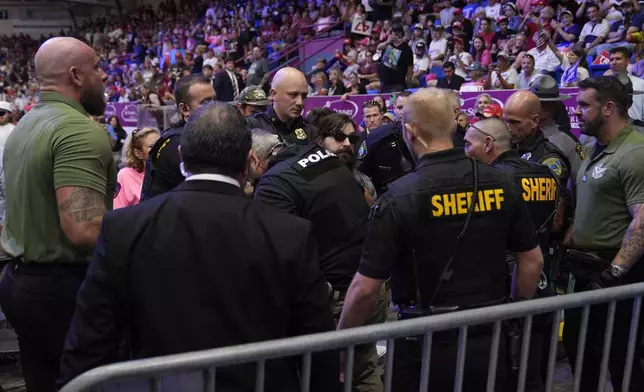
<point>524,103</point>
<point>57,56</point>
<point>485,140</point>
<point>288,92</point>
<point>521,114</point>
<point>287,76</point>
<point>71,68</point>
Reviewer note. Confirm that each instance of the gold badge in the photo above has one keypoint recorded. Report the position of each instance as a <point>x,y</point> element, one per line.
<point>300,134</point>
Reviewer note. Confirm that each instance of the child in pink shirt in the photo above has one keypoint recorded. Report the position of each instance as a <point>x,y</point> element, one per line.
<point>135,155</point>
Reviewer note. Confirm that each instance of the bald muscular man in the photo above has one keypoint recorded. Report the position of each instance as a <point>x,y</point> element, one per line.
<point>59,182</point>
<point>522,113</point>
<point>284,117</point>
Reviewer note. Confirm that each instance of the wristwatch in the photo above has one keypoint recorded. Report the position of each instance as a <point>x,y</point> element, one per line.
<point>616,271</point>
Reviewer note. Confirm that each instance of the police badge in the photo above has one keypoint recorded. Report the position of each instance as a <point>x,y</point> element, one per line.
<point>300,134</point>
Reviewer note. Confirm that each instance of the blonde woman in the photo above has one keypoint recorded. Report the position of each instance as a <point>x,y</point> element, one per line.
<point>135,155</point>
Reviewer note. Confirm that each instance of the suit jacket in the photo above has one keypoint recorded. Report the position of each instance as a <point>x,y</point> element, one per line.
<point>200,267</point>
<point>454,84</point>
<point>224,86</point>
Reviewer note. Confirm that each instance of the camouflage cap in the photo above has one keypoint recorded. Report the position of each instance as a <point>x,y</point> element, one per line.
<point>253,95</point>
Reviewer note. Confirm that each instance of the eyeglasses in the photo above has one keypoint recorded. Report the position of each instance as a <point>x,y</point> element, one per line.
<point>341,137</point>
<point>3,113</point>
<point>483,132</point>
<point>274,150</point>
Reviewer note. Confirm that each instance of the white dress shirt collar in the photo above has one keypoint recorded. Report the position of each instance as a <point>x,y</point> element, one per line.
<point>214,177</point>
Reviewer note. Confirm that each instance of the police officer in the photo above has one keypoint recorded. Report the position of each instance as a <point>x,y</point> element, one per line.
<point>547,90</point>
<point>162,171</point>
<point>521,113</point>
<point>489,141</point>
<point>313,183</point>
<point>284,118</point>
<point>607,239</point>
<point>252,100</point>
<point>415,237</point>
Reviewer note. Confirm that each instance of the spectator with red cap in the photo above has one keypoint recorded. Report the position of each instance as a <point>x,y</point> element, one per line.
<point>456,31</point>
<point>503,35</point>
<point>468,26</point>
<point>534,24</point>
<point>460,58</point>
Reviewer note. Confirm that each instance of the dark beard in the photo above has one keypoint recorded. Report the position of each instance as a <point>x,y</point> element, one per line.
<point>93,102</point>
<point>592,128</point>
<point>348,157</point>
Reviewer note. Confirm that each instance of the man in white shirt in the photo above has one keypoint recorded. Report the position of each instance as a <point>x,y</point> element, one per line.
<point>595,31</point>
<point>6,127</point>
<point>438,46</point>
<point>544,58</point>
<point>421,61</point>
<point>503,76</point>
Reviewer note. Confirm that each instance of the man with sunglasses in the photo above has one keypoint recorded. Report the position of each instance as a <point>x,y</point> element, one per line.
<point>162,172</point>
<point>488,141</point>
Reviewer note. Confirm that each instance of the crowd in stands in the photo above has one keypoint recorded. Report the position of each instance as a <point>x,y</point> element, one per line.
<point>467,46</point>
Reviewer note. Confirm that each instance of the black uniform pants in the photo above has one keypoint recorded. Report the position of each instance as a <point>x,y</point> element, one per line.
<point>595,343</point>
<point>39,301</point>
<point>408,359</point>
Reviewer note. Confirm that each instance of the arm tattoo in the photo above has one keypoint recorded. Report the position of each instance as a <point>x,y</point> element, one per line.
<point>83,204</point>
<point>633,243</point>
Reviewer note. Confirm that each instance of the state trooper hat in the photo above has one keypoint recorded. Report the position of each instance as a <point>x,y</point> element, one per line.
<point>546,88</point>
<point>628,84</point>
<point>253,95</point>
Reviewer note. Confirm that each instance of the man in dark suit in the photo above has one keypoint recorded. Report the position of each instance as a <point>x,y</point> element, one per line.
<point>230,270</point>
<point>228,83</point>
<point>451,81</point>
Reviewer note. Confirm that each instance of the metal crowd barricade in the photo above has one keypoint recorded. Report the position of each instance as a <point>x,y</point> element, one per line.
<point>153,373</point>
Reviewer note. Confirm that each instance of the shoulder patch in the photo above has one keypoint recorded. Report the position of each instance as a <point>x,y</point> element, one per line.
<point>554,164</point>
<point>362,151</point>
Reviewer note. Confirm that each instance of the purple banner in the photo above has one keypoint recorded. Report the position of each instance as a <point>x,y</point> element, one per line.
<point>353,105</point>
<point>127,113</point>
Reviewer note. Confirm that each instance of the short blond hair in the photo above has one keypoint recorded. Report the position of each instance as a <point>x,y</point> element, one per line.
<point>431,111</point>
<point>133,142</point>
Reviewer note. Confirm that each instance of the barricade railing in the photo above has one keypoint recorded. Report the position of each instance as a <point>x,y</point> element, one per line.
<point>151,372</point>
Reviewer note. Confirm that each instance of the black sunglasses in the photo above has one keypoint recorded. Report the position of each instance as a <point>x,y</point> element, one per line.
<point>3,113</point>
<point>341,136</point>
<point>371,103</point>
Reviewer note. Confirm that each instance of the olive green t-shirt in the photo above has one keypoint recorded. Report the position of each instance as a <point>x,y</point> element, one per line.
<point>54,145</point>
<point>607,185</point>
